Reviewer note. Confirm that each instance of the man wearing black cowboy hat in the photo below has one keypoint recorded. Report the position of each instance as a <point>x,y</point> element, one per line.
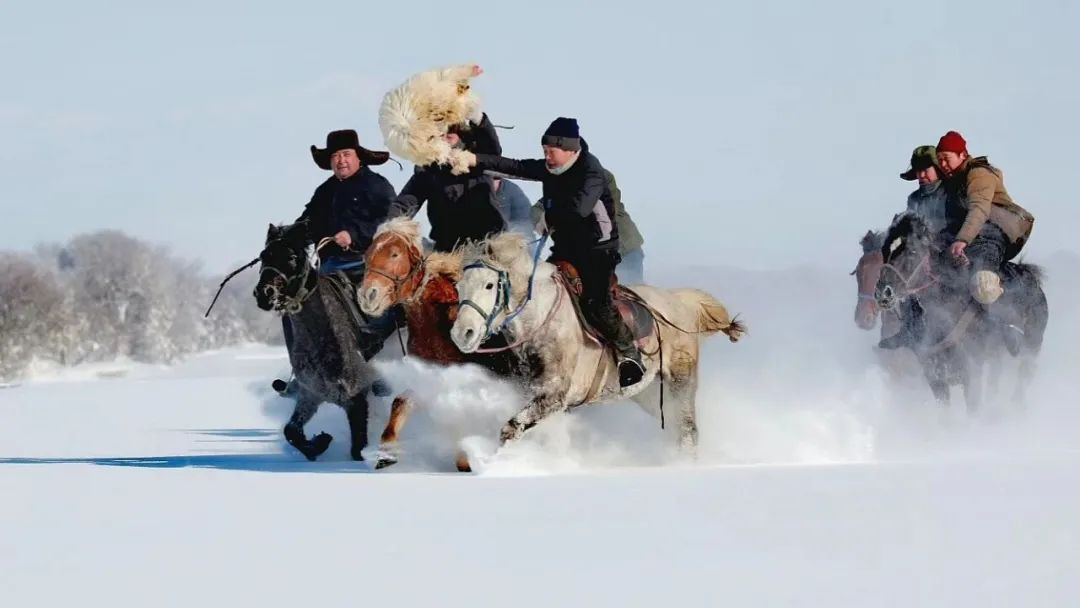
<point>351,203</point>
<point>348,207</point>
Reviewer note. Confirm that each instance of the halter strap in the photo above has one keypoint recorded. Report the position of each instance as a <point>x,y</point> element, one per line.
<point>907,280</point>
<point>502,298</point>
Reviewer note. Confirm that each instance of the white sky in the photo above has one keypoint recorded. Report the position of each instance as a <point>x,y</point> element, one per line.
<point>767,134</point>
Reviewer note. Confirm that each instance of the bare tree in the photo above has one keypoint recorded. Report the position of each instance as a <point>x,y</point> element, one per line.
<point>31,311</point>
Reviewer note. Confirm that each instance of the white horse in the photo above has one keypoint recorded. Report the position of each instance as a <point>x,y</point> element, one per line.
<point>570,368</point>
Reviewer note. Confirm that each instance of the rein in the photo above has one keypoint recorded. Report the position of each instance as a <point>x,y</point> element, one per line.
<point>227,279</point>
<point>932,279</point>
<point>502,296</point>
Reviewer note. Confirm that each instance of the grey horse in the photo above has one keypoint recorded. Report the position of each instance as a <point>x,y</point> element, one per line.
<point>327,335</point>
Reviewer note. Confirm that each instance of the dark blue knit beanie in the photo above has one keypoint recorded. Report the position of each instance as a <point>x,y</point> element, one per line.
<point>563,133</point>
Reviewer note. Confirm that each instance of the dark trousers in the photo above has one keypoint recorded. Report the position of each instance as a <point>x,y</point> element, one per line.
<point>596,270</point>
<point>987,251</point>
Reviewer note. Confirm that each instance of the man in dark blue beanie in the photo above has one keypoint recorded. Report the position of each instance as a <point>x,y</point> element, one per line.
<point>579,213</point>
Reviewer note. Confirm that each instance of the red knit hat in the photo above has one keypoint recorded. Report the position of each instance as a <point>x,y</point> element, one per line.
<point>952,142</point>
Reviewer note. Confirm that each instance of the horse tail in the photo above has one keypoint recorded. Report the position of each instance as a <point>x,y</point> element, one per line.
<point>1035,271</point>
<point>712,316</point>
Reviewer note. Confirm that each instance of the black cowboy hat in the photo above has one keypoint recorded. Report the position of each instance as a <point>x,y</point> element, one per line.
<point>344,140</point>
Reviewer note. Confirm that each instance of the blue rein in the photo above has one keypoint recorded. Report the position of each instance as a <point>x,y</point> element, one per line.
<point>502,298</point>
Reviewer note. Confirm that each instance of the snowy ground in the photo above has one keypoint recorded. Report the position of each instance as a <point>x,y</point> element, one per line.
<point>818,484</point>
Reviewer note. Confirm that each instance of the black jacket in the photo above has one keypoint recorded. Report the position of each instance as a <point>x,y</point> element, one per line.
<point>579,206</point>
<point>358,205</point>
<point>459,207</point>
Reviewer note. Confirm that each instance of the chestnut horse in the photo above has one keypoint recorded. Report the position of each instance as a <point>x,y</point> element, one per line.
<point>397,272</point>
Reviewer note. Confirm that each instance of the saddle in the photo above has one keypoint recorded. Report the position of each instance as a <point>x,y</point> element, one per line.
<point>636,316</point>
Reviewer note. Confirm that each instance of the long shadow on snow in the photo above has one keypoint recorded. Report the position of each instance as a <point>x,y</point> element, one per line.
<point>266,463</point>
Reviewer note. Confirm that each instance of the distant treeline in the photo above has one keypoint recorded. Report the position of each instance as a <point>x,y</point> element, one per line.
<point>106,295</point>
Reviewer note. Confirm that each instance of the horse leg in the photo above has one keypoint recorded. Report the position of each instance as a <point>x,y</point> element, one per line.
<point>971,377</point>
<point>539,408</point>
<point>939,385</point>
<point>1024,376</point>
<point>306,406</point>
<point>399,413</point>
<point>357,413</point>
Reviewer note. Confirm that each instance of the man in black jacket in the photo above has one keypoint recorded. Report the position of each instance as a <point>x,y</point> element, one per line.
<point>348,207</point>
<point>460,208</point>
<point>580,214</point>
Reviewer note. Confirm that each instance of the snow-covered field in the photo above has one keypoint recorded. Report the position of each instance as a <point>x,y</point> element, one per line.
<point>818,484</point>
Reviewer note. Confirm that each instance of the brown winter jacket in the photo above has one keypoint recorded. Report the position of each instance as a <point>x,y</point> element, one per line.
<point>980,196</point>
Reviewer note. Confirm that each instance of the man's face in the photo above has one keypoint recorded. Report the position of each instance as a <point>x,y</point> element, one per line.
<point>453,139</point>
<point>345,163</point>
<point>951,161</point>
<point>556,157</point>
<point>927,176</point>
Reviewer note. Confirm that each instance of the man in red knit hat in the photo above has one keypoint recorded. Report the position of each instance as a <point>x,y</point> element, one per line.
<point>990,227</point>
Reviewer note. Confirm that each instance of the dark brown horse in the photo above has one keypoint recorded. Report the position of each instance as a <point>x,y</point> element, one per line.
<point>866,274</point>
<point>397,272</point>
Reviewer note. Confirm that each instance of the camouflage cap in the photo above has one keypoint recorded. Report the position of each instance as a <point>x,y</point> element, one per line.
<point>921,158</point>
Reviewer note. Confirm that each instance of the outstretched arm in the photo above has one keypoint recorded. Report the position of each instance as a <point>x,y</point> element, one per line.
<point>534,169</point>
<point>412,197</point>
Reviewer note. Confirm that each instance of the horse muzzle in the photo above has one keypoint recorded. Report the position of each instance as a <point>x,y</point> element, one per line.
<point>466,338</point>
<point>373,301</point>
<point>886,297</point>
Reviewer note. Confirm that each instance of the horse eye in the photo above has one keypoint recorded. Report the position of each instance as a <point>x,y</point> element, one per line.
<point>395,255</point>
<point>490,286</point>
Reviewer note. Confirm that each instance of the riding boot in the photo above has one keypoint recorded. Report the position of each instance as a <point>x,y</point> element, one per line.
<point>605,318</point>
<point>912,326</point>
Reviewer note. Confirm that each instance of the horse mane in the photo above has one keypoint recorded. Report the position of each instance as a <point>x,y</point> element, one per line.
<point>445,264</point>
<point>406,228</point>
<point>506,251</point>
<point>904,225</point>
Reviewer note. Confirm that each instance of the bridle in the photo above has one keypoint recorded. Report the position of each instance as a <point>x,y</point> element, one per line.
<point>416,263</point>
<point>502,300</point>
<point>292,304</point>
<point>887,294</point>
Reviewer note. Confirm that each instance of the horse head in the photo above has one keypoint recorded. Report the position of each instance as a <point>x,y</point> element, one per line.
<point>393,266</point>
<point>908,254</point>
<point>285,272</point>
<point>494,281</point>
<point>866,275</point>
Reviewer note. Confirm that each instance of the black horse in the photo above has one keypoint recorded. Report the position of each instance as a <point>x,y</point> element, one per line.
<point>955,336</point>
<point>327,336</point>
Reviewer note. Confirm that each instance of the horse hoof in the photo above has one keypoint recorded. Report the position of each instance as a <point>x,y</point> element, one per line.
<point>385,460</point>
<point>462,463</point>
<point>319,445</point>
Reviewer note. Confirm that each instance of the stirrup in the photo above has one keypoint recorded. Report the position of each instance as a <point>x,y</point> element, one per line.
<point>631,371</point>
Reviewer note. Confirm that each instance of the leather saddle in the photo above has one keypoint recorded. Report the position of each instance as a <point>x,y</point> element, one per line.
<point>636,316</point>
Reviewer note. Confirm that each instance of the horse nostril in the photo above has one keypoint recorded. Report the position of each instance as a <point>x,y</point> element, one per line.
<point>469,334</point>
